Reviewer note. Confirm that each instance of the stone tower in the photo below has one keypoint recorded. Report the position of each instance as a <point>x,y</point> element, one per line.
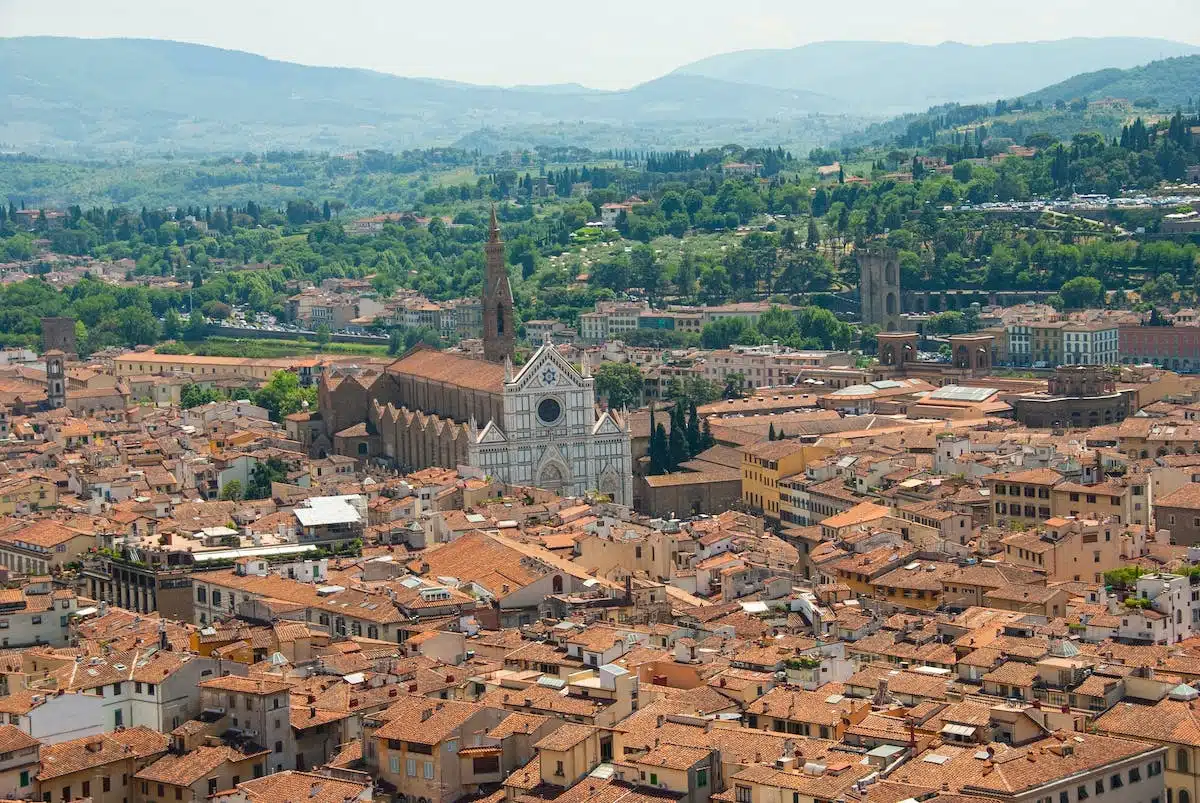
<point>56,379</point>
<point>58,334</point>
<point>879,287</point>
<point>498,333</point>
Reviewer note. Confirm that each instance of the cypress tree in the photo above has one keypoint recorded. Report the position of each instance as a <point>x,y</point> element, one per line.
<point>693,431</point>
<point>771,433</point>
<point>677,445</point>
<point>659,451</point>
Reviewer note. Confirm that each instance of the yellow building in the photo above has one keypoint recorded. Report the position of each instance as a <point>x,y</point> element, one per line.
<point>1045,341</point>
<point>765,464</point>
<point>914,585</point>
<point>1022,497</point>
<point>1106,500</point>
<point>22,495</point>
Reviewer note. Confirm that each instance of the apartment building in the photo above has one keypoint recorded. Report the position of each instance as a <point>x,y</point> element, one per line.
<point>259,709</point>
<point>1074,549</point>
<point>414,745</point>
<point>766,464</point>
<point>1022,497</point>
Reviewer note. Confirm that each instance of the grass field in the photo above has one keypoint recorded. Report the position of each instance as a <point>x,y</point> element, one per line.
<point>232,347</point>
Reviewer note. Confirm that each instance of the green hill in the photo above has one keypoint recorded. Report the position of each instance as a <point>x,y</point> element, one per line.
<point>1167,84</point>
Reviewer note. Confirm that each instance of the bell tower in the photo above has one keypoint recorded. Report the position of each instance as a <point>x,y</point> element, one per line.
<point>498,333</point>
<point>56,379</point>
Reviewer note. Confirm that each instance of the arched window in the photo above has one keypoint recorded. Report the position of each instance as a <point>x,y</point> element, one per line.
<point>1182,764</point>
<point>557,583</point>
<point>1184,796</point>
<point>499,321</point>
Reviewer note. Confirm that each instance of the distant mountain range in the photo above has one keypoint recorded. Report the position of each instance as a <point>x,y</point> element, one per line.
<point>84,97</point>
<point>894,77</point>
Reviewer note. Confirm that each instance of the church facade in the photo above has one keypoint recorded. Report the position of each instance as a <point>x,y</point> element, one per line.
<point>552,436</point>
<point>537,426</point>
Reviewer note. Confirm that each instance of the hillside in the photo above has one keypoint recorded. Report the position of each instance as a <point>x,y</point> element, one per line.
<point>1161,86</point>
<point>1166,84</point>
<point>886,77</point>
<point>138,96</point>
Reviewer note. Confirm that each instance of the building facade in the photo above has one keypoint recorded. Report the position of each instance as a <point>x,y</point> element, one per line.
<point>551,436</point>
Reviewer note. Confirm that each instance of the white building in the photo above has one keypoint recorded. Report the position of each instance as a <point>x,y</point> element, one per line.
<point>1173,615</point>
<point>552,435</point>
<point>1090,344</point>
<point>36,614</point>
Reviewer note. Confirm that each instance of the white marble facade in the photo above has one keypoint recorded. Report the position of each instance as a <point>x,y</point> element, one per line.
<point>553,436</point>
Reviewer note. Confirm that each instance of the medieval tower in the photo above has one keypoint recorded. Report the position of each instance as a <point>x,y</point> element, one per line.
<point>498,333</point>
<point>56,379</point>
<point>879,287</point>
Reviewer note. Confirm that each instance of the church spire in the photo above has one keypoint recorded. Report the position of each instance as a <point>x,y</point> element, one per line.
<point>498,332</point>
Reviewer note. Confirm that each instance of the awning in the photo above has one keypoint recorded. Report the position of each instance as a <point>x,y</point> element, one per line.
<point>958,730</point>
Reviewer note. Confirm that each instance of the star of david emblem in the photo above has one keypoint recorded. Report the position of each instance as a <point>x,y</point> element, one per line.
<point>549,376</point>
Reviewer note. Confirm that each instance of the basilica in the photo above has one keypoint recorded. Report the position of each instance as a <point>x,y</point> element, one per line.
<point>537,424</point>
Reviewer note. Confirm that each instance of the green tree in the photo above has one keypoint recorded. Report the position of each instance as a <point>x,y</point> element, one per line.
<point>677,441</point>
<point>262,475</point>
<point>778,324</point>
<point>619,383</point>
<point>725,332</point>
<point>172,325</point>
<point>323,334</point>
<point>283,395</point>
<point>1082,292</point>
<point>195,395</point>
<point>694,437</point>
<point>659,449</point>
<point>232,491</point>
<point>197,327</point>
<point>138,327</point>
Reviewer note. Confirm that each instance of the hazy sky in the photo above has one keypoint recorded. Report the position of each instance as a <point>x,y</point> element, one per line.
<point>609,44</point>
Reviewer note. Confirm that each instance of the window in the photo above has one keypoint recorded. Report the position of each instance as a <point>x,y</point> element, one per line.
<point>216,597</point>
<point>742,795</point>
<point>1081,793</point>
<point>701,778</point>
<point>395,762</point>
<point>107,784</point>
<point>558,768</point>
<point>1181,760</point>
<point>1099,786</point>
<point>25,778</point>
<point>137,687</point>
<point>37,620</point>
<point>410,768</point>
<point>1155,768</point>
<point>1135,774</point>
<point>150,690</point>
<point>118,718</point>
<point>1064,797</point>
<point>116,689</point>
<point>1115,782</point>
<point>279,747</point>
<point>429,770</point>
<point>212,786</point>
<point>179,793</point>
<point>201,594</point>
<point>160,790</point>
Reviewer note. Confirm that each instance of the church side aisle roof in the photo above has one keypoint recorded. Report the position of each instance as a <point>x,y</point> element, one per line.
<point>451,369</point>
